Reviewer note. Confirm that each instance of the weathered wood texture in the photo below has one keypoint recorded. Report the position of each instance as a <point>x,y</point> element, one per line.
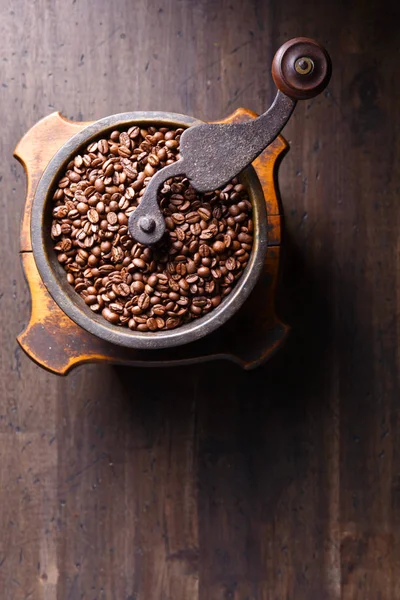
<point>209,483</point>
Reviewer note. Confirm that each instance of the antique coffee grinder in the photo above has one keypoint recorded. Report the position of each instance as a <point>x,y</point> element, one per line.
<point>63,332</point>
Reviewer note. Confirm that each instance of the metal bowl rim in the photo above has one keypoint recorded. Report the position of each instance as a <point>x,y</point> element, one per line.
<point>76,309</point>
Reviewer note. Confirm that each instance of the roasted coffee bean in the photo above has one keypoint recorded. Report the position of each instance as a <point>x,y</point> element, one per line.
<point>139,262</point>
<point>195,229</point>
<point>160,323</point>
<point>152,324</point>
<point>219,247</point>
<point>172,322</point>
<point>124,289</point>
<point>162,154</point>
<point>103,146</point>
<point>74,177</point>
<point>204,271</point>
<point>216,273</point>
<point>191,267</point>
<point>173,285</point>
<point>99,186</point>
<point>192,278</point>
<point>78,161</point>
<point>137,287</point>
<point>90,299</point>
<point>178,218</point>
<point>93,260</point>
<point>206,234</point>
<point>152,280</point>
<point>204,213</point>
<point>56,230</point>
<point>63,183</point>
<point>117,254</point>
<point>116,307</point>
<point>124,139</point>
<point>199,301</point>
<point>215,301</point>
<point>209,286</point>
<point>112,218</point>
<point>183,284</point>
<point>172,144</point>
<point>230,263</point>
<point>82,208</point>
<point>93,215</point>
<point>244,237</point>
<point>60,212</point>
<point>110,316</point>
<point>159,310</point>
<point>181,269</point>
<point>143,301</point>
<point>206,248</point>
<point>192,217</point>
<point>134,132</point>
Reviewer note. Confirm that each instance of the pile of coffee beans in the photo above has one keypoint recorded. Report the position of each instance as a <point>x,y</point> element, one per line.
<point>203,254</point>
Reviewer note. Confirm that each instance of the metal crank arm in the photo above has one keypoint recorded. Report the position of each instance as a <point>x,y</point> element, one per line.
<point>212,154</point>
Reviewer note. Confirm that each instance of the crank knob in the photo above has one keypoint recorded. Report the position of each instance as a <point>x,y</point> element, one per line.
<point>301,68</point>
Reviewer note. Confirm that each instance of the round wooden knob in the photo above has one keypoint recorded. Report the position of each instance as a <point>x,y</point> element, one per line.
<point>301,68</point>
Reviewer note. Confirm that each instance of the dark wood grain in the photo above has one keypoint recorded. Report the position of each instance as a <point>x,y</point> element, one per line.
<point>209,483</point>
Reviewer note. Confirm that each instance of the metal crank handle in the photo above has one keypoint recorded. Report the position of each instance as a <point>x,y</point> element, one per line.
<point>212,154</point>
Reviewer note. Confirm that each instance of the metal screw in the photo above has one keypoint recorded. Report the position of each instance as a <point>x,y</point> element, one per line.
<point>304,65</point>
<point>147,224</point>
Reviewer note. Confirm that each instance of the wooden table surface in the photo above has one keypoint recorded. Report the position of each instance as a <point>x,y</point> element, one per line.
<point>210,483</point>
